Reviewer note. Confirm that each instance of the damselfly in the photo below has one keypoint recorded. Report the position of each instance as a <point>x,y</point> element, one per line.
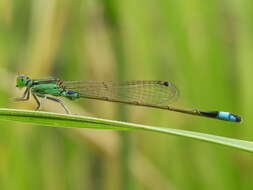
<point>155,94</point>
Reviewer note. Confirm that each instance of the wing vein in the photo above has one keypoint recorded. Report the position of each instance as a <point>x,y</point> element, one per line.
<point>141,92</point>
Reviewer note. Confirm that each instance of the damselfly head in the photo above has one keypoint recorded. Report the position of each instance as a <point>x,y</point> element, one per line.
<point>22,81</point>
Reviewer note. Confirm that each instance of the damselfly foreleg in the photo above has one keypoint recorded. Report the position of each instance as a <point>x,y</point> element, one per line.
<point>25,96</point>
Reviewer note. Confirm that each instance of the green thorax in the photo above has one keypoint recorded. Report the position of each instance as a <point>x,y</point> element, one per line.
<point>53,88</point>
<point>47,86</point>
<point>50,88</point>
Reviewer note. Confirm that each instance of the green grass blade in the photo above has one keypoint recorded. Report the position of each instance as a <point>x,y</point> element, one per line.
<point>75,121</point>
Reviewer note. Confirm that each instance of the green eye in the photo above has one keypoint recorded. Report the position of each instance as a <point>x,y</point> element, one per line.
<point>22,81</point>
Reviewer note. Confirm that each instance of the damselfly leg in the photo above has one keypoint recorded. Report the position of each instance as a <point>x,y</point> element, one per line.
<point>25,96</point>
<point>40,103</point>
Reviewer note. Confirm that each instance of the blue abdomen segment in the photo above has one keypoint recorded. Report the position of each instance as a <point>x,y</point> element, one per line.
<point>70,94</point>
<point>228,116</point>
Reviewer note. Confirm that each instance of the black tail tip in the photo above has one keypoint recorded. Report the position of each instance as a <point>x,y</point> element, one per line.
<point>237,118</point>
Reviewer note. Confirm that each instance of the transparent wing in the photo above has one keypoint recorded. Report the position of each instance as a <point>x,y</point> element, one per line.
<point>156,93</point>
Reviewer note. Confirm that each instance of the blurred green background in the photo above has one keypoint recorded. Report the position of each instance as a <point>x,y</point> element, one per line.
<point>204,47</point>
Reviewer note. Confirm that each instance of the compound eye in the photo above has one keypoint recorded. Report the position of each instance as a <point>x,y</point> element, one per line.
<point>22,80</point>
